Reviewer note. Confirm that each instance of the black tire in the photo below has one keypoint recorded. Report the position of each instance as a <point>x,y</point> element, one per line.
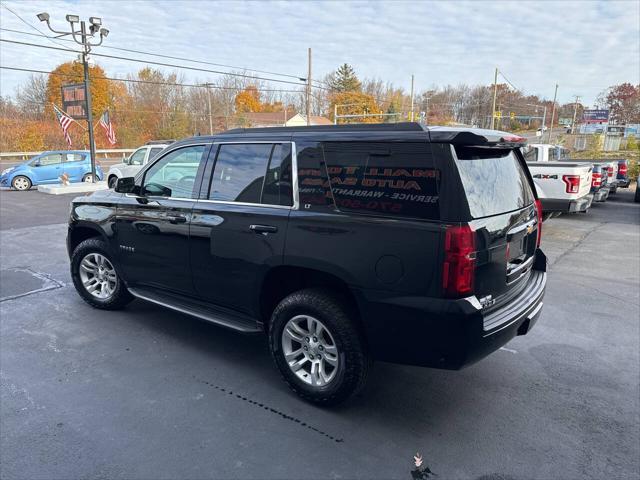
<point>86,177</point>
<point>21,183</point>
<point>340,320</point>
<point>636,197</point>
<point>112,182</point>
<point>120,297</point>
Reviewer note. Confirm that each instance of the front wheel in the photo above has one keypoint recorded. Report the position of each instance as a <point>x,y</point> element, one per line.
<point>21,183</point>
<point>112,182</point>
<point>95,277</point>
<point>318,347</point>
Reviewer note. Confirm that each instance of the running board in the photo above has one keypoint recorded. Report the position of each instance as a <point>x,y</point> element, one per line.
<point>196,309</point>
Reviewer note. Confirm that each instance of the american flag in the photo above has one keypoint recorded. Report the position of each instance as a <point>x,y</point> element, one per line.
<point>65,121</point>
<point>105,122</point>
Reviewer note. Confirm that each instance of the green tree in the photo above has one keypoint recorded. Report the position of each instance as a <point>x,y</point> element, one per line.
<point>344,80</point>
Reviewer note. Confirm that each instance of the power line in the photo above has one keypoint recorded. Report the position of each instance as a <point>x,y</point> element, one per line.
<point>156,63</point>
<point>511,84</point>
<point>158,54</point>
<point>40,32</point>
<point>151,82</point>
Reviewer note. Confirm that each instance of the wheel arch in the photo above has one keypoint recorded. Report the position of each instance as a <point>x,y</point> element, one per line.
<point>283,280</point>
<point>81,232</point>
<point>22,174</point>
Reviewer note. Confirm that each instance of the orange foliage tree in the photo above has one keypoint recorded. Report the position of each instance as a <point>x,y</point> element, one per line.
<point>248,100</point>
<point>355,103</point>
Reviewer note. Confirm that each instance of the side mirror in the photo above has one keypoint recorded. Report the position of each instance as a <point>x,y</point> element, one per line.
<point>125,185</point>
<point>37,163</point>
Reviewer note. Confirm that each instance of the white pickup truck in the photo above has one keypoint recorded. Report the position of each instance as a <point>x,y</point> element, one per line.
<point>544,152</point>
<point>136,161</point>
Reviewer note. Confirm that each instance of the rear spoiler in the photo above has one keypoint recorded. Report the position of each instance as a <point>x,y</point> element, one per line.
<point>476,136</point>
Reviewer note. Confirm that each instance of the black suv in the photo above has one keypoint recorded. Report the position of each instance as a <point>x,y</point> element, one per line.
<point>344,244</point>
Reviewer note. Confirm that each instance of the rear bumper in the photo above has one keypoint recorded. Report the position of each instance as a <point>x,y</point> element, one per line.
<point>601,195</point>
<point>623,182</point>
<point>448,334</point>
<point>567,206</point>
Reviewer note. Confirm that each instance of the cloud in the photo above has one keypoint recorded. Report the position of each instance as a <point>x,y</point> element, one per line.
<point>583,46</point>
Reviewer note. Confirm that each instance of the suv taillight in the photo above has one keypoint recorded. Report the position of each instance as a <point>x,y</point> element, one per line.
<point>572,182</point>
<point>539,212</point>
<point>622,168</point>
<point>610,171</point>
<point>458,270</point>
<point>596,179</point>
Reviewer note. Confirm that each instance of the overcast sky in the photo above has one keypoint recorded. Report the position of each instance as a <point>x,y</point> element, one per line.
<point>584,46</point>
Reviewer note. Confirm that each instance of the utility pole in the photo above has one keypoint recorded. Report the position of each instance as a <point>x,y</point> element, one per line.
<point>575,113</point>
<point>553,113</point>
<point>309,90</point>
<point>84,41</point>
<point>209,108</point>
<point>411,98</point>
<point>495,94</point>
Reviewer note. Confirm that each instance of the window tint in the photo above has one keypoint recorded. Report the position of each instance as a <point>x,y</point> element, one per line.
<point>278,183</point>
<point>493,180</point>
<point>239,172</point>
<point>313,186</point>
<point>50,159</point>
<point>154,151</point>
<point>137,157</point>
<point>384,178</point>
<point>530,154</point>
<point>174,174</point>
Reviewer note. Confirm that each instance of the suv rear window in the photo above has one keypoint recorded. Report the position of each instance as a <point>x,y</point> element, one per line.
<point>390,179</point>
<point>493,180</point>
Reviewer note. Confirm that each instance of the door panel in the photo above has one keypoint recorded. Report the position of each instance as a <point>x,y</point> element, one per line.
<point>239,226</point>
<point>49,169</point>
<point>74,166</point>
<point>152,237</point>
<point>229,259</point>
<point>152,242</point>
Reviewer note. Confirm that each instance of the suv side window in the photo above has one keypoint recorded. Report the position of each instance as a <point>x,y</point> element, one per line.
<point>253,173</point>
<point>174,174</point>
<point>153,152</point>
<point>390,179</point>
<point>137,157</point>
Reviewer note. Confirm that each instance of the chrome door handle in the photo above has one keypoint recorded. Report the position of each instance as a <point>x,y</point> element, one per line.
<point>263,228</point>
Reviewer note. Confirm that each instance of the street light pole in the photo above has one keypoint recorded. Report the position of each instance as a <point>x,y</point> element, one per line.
<point>209,107</point>
<point>84,41</point>
<point>553,113</point>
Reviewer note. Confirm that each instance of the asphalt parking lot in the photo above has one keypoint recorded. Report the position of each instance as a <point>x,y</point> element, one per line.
<point>149,393</point>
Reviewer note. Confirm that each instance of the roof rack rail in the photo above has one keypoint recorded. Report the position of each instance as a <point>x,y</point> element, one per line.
<point>380,127</point>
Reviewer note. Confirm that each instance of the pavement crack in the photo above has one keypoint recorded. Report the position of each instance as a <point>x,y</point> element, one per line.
<point>257,404</point>
<point>577,243</point>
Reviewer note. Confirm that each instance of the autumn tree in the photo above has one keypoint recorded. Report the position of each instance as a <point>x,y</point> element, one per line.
<point>248,100</point>
<point>355,103</point>
<point>32,97</point>
<point>623,102</point>
<point>344,80</point>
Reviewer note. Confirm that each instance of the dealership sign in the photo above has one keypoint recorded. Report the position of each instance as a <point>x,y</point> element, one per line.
<point>74,101</point>
<point>595,116</point>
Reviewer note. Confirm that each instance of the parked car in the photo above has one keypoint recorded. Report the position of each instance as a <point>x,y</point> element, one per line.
<point>47,167</point>
<point>132,165</point>
<point>599,180</point>
<point>636,197</point>
<point>409,244</point>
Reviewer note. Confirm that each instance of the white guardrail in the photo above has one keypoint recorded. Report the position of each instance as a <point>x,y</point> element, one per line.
<point>105,153</point>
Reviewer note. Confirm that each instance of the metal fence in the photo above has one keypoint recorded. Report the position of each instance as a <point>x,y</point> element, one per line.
<point>106,157</point>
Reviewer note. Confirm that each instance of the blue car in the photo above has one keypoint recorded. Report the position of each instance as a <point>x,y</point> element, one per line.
<point>48,167</point>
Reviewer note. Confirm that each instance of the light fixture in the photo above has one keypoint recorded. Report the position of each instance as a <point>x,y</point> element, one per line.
<point>95,21</point>
<point>73,18</point>
<point>43,17</point>
<point>104,32</point>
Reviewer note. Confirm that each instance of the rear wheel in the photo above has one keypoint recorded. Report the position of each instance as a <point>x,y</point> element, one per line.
<point>112,182</point>
<point>87,178</point>
<point>95,276</point>
<point>318,347</point>
<point>21,183</point>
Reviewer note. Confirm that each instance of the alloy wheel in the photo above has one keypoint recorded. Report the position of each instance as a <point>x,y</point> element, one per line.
<point>21,183</point>
<point>310,350</point>
<point>98,276</point>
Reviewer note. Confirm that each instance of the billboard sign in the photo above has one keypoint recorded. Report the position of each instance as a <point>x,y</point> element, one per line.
<point>74,101</point>
<point>595,116</point>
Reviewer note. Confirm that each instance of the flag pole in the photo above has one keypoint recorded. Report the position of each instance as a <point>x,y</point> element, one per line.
<point>72,119</point>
